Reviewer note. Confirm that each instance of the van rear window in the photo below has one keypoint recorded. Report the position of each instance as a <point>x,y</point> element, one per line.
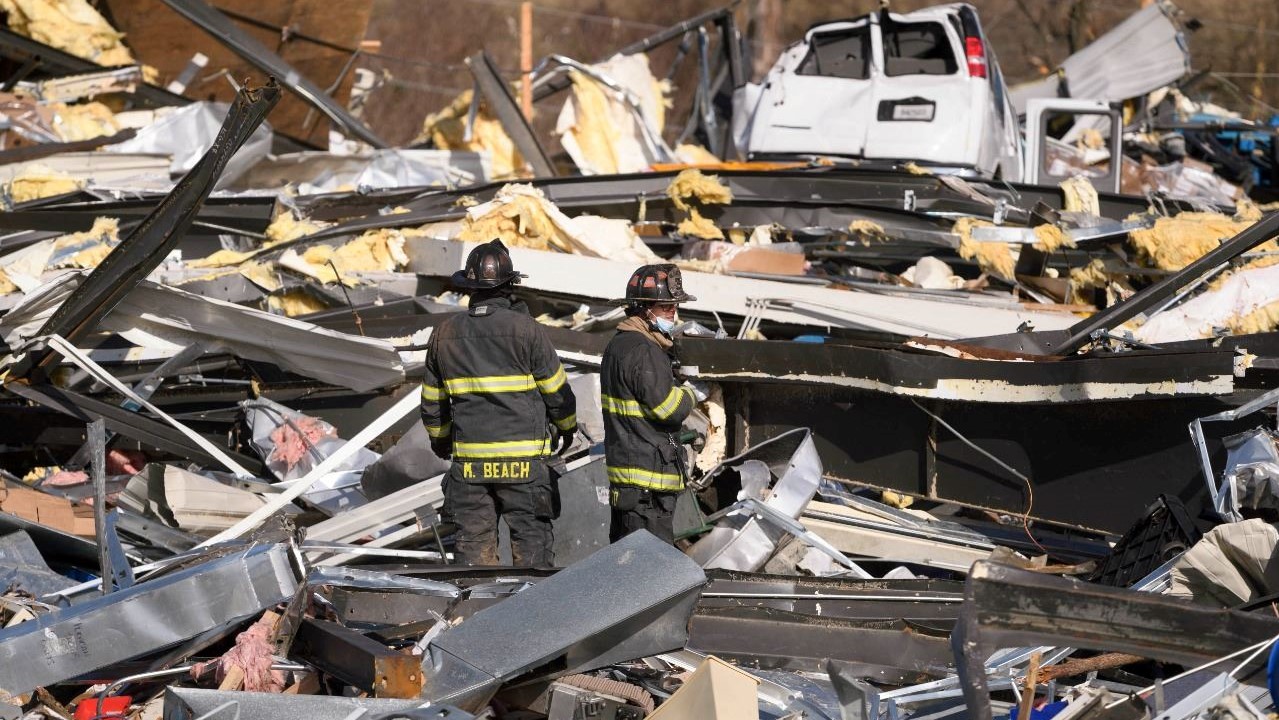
<point>920,48</point>
<point>842,54</point>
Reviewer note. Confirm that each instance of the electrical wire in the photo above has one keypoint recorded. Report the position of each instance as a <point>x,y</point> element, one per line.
<point>1030,489</point>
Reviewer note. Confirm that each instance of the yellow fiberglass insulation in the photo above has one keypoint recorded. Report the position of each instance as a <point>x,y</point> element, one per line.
<point>447,130</point>
<point>521,220</point>
<point>697,226</point>
<point>992,257</point>
<point>6,285</point>
<point>69,25</point>
<point>1092,275</point>
<point>1079,196</point>
<point>83,122</point>
<point>1263,319</point>
<point>38,181</point>
<point>867,230</point>
<point>295,302</point>
<point>593,128</point>
<point>220,258</point>
<point>101,239</point>
<point>1174,242</point>
<point>695,155</point>
<point>375,251</point>
<point>285,227</point>
<point>692,184</point>
<point>1050,238</point>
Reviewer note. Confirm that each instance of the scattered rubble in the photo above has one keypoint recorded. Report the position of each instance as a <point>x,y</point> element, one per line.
<point>945,470</point>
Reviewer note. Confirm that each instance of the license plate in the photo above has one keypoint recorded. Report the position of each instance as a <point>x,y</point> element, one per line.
<point>913,112</point>
<point>911,109</point>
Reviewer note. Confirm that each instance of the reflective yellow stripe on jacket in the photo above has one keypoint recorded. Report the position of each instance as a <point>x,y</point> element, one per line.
<point>633,408</point>
<point>553,383</point>
<point>440,431</point>
<point>504,449</point>
<point>432,393</point>
<point>645,478</point>
<point>618,406</point>
<point>489,384</point>
<point>670,404</point>
<point>567,423</point>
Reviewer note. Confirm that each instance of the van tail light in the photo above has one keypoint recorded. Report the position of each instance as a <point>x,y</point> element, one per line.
<point>976,55</point>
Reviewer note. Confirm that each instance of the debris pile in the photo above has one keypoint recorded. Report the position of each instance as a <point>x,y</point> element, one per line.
<point>941,465</point>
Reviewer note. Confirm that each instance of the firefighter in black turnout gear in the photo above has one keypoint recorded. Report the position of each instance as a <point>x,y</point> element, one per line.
<point>495,399</point>
<point>644,407</point>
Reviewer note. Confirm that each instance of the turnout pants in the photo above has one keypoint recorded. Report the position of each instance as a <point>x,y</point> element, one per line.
<point>527,507</point>
<point>635,508</point>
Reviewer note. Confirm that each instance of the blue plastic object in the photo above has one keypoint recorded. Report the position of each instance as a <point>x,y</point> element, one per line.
<point>1046,712</point>
<point>814,339</point>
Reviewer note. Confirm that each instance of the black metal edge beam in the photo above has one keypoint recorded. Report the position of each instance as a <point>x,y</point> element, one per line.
<point>357,660</point>
<point>502,103</point>
<point>36,152</point>
<point>16,46</point>
<point>148,244</point>
<point>1006,606</point>
<point>128,423</point>
<point>213,22</point>
<point>1065,342</point>
<point>722,359</point>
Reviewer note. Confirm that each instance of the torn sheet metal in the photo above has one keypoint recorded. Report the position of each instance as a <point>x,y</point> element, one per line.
<point>743,541</point>
<point>1008,607</point>
<point>182,703</point>
<point>599,278</point>
<point>1252,469</point>
<point>318,172</point>
<point>632,599</point>
<point>209,19</point>
<point>186,134</point>
<point>150,242</point>
<point>167,319</point>
<point>147,617</point>
<point>1145,52</point>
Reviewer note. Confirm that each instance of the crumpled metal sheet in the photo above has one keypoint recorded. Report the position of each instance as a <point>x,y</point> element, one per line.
<point>168,319</point>
<point>1252,467</point>
<point>186,134</point>
<point>318,172</point>
<point>187,703</point>
<point>147,617</point>
<point>630,600</point>
<point>1141,54</point>
<point>743,541</point>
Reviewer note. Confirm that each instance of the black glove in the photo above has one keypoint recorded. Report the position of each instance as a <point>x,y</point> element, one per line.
<point>561,440</point>
<point>442,447</point>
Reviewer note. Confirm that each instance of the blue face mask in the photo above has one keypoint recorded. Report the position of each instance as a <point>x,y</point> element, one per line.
<point>664,326</point>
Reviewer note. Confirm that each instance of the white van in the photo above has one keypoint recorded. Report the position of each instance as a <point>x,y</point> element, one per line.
<point>921,86</point>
